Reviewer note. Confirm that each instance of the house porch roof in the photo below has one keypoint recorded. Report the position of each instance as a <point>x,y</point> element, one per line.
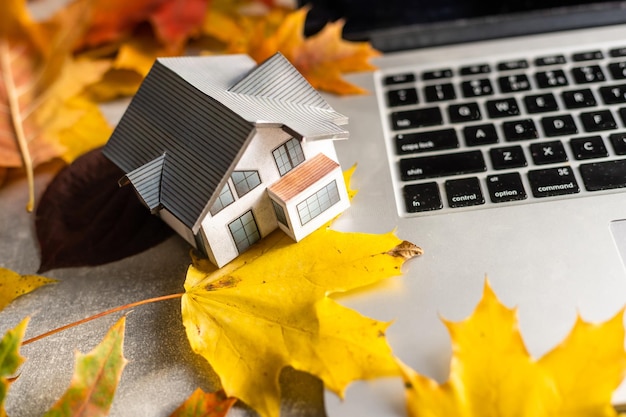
<point>302,177</point>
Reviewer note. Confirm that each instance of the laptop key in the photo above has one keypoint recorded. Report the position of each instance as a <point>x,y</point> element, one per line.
<point>402,97</point>
<point>548,152</point>
<point>614,94</point>
<point>552,182</point>
<point>475,69</point>
<point>477,88</point>
<point>477,135</point>
<point>598,120</point>
<point>435,140</point>
<point>464,192</point>
<point>506,187</point>
<point>550,79</point>
<point>513,83</point>
<point>507,157</point>
<point>502,108</point>
<point>588,74</point>
<point>399,78</point>
<point>622,114</point>
<point>559,125</point>
<point>618,70</point>
<point>576,99</point>
<point>422,197</point>
<point>618,140</point>
<point>587,56</point>
<point>588,148</point>
<point>618,52</point>
<point>463,112</point>
<point>604,175</point>
<point>439,92</point>
<point>515,64</point>
<point>434,166</point>
<point>409,119</point>
<point>437,74</point>
<point>520,130</point>
<point>541,103</point>
<point>550,60</point>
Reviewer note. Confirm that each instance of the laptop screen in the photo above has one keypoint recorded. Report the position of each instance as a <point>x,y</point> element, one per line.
<point>366,19</point>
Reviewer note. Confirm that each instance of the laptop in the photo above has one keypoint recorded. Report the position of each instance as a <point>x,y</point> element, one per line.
<point>494,138</point>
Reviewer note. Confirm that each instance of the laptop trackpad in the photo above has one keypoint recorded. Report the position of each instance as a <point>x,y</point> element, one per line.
<point>618,231</point>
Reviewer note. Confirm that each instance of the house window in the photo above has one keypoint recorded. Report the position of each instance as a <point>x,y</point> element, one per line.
<point>318,203</point>
<point>224,199</point>
<point>245,181</point>
<point>244,231</point>
<point>280,213</point>
<point>288,156</point>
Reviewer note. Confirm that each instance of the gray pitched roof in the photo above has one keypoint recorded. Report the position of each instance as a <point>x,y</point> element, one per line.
<point>193,117</point>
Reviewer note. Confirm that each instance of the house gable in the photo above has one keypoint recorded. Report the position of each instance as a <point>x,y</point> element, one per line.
<point>147,182</point>
<point>277,79</point>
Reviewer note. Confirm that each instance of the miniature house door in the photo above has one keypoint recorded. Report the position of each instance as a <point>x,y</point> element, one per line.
<point>244,231</point>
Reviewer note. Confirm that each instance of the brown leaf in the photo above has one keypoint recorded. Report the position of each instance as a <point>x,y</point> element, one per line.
<point>406,250</point>
<point>202,404</point>
<point>84,218</point>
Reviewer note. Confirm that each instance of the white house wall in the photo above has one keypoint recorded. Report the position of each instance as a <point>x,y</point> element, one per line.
<point>257,157</point>
<point>327,147</point>
<point>301,231</point>
<point>177,226</point>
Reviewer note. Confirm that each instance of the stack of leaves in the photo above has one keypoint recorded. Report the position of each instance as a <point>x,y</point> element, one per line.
<point>53,73</point>
<point>43,115</point>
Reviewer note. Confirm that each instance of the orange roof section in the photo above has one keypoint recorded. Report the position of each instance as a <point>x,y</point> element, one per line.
<point>302,177</point>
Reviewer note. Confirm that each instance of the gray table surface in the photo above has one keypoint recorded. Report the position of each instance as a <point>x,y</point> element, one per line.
<point>162,370</point>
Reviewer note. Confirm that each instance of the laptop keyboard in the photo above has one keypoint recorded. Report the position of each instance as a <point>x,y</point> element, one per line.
<point>506,132</point>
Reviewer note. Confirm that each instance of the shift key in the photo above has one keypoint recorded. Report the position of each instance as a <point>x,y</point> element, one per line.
<point>442,165</point>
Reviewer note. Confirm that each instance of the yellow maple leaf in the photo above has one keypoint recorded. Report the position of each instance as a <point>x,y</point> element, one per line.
<point>269,309</point>
<point>322,58</point>
<point>39,79</point>
<point>13,285</point>
<point>492,374</point>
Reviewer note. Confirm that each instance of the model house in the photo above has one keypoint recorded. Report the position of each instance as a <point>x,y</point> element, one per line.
<point>225,151</point>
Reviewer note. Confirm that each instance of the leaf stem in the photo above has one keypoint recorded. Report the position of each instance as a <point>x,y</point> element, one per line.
<point>14,110</point>
<point>102,314</point>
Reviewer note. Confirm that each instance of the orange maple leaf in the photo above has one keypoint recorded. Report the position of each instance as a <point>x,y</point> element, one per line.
<point>173,21</point>
<point>202,404</point>
<point>322,58</point>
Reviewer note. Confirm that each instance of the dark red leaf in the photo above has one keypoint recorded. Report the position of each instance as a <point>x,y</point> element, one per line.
<point>84,218</point>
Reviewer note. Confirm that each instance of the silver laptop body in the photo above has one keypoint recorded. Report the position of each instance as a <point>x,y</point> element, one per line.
<point>552,256</point>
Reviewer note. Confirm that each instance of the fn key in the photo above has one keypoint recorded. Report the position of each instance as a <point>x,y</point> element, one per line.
<point>422,197</point>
